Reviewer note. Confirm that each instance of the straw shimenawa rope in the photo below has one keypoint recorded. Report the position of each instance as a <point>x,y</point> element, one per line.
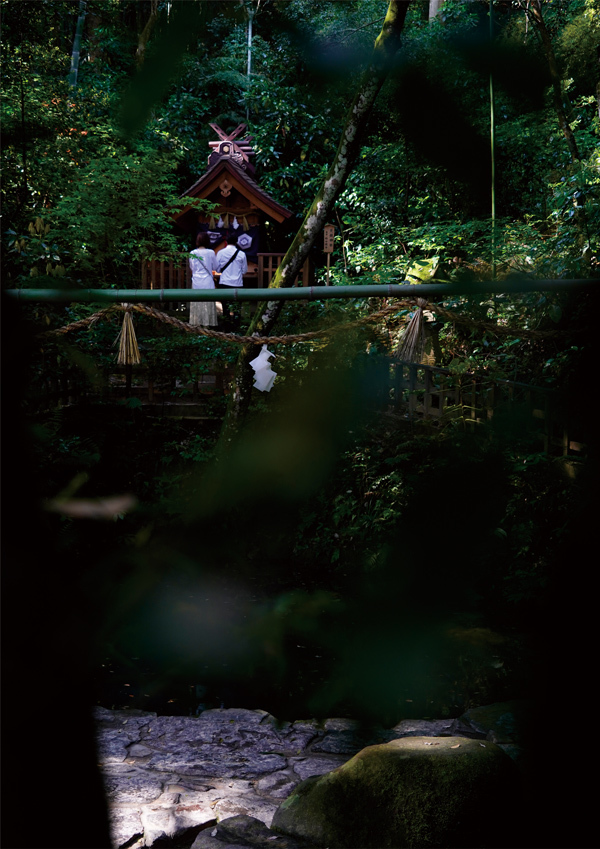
<point>234,338</point>
<point>238,339</point>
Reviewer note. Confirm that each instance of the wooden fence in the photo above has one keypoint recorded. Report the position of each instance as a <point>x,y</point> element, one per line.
<point>175,273</point>
<point>268,263</point>
<point>429,392</point>
<point>418,392</point>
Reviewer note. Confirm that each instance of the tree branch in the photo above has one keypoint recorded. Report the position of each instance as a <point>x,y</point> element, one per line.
<point>145,34</point>
<point>534,11</point>
<point>384,50</point>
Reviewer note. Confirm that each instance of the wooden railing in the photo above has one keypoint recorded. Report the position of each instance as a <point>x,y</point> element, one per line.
<point>268,263</point>
<point>430,392</point>
<point>175,273</point>
<point>415,391</point>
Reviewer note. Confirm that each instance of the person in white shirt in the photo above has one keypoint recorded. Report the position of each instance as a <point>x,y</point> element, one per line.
<point>232,263</point>
<point>202,264</point>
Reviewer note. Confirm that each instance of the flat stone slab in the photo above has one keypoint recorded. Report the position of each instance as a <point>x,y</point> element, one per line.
<point>242,831</point>
<point>166,774</point>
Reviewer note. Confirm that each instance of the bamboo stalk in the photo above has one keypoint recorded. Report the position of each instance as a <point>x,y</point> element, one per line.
<point>389,290</point>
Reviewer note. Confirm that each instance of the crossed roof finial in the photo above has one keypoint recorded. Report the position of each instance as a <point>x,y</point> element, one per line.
<point>222,135</point>
<point>229,145</point>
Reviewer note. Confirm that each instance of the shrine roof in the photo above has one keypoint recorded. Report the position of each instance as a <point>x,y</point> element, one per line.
<point>241,181</point>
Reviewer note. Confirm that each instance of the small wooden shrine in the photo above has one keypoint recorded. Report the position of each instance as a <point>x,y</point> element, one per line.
<point>242,206</point>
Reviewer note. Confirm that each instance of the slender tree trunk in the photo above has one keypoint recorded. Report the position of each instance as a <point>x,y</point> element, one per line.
<point>534,10</point>
<point>385,48</point>
<point>77,45</point>
<point>94,36</point>
<point>598,83</point>
<point>434,8</point>
<point>24,190</point>
<point>145,34</point>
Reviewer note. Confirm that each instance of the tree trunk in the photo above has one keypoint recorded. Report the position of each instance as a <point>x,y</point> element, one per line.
<point>434,8</point>
<point>23,191</point>
<point>385,48</point>
<point>535,12</point>
<point>94,36</point>
<point>598,83</point>
<point>77,45</point>
<point>145,34</point>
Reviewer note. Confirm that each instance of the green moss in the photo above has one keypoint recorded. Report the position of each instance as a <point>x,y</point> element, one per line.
<point>414,792</point>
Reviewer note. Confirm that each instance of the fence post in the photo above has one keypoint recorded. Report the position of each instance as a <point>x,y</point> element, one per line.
<point>427,395</point>
<point>261,272</point>
<point>412,383</point>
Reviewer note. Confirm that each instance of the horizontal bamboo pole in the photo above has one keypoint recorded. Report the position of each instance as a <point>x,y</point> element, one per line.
<point>300,293</point>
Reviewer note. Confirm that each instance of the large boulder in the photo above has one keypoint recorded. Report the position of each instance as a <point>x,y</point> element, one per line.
<point>412,792</point>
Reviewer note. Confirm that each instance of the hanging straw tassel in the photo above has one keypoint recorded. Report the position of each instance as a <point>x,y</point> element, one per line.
<point>129,353</point>
<point>412,342</point>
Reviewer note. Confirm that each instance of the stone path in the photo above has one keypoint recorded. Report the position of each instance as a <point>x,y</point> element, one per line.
<point>166,774</point>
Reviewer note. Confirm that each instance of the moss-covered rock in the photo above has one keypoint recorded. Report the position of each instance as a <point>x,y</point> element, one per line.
<point>413,792</point>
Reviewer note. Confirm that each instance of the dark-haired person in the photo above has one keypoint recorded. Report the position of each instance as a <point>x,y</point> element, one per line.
<point>202,264</point>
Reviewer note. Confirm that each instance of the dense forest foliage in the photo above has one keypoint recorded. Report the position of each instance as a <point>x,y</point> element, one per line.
<point>338,559</point>
<point>97,154</point>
